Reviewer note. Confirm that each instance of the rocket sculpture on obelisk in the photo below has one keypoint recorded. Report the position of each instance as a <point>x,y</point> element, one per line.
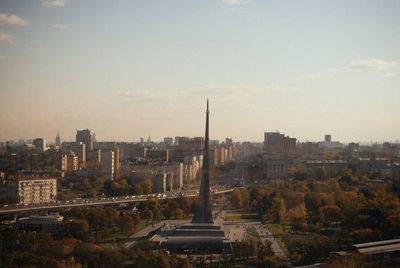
<point>203,212</point>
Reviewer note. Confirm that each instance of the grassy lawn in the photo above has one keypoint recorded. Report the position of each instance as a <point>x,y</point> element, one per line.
<point>141,226</point>
<point>239,210</point>
<point>278,231</point>
<point>252,235</point>
<point>115,237</point>
<point>238,218</point>
<point>234,218</point>
<point>275,228</point>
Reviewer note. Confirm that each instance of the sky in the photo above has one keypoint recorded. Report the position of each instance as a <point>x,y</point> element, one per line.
<point>136,68</point>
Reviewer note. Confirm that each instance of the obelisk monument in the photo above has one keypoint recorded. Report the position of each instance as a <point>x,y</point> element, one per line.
<point>203,213</point>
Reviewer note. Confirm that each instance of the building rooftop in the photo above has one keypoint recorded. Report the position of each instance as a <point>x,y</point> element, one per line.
<point>371,248</point>
<point>32,178</point>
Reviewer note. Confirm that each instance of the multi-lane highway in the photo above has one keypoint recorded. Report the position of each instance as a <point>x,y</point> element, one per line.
<point>101,201</point>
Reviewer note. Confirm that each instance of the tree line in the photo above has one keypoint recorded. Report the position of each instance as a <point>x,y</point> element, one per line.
<point>321,216</point>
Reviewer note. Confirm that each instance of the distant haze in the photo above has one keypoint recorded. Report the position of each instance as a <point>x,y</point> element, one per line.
<point>131,69</point>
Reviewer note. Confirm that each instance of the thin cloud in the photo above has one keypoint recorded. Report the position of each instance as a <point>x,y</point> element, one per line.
<point>278,88</point>
<point>4,36</point>
<point>375,64</point>
<point>235,2</point>
<point>240,89</point>
<point>390,75</point>
<point>372,64</point>
<point>356,66</point>
<point>54,3</point>
<point>59,26</point>
<point>226,89</point>
<point>140,95</point>
<point>315,76</point>
<point>3,57</point>
<point>12,20</point>
<point>36,42</point>
<point>132,96</point>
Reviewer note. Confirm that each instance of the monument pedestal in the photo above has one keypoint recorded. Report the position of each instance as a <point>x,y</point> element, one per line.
<point>198,238</point>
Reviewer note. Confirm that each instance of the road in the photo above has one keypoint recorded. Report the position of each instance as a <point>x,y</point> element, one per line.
<point>97,202</point>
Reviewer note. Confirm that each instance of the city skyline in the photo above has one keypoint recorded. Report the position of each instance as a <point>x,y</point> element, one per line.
<point>132,69</point>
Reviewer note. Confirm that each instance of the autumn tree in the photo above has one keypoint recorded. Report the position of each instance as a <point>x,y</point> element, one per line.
<point>236,198</point>
<point>178,214</point>
<point>125,223</point>
<point>79,228</point>
<point>278,209</point>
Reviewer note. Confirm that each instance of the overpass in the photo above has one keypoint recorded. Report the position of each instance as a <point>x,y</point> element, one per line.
<point>90,202</point>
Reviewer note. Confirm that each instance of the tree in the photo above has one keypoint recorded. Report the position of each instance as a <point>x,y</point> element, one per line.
<point>125,223</point>
<point>331,213</point>
<point>112,215</point>
<point>278,209</point>
<point>236,198</point>
<point>297,216</point>
<point>298,172</point>
<point>178,214</point>
<point>154,206</point>
<point>98,183</point>
<point>136,218</point>
<point>147,187</point>
<point>138,189</point>
<point>321,173</point>
<point>84,253</point>
<point>79,228</point>
<point>148,214</point>
<point>97,218</point>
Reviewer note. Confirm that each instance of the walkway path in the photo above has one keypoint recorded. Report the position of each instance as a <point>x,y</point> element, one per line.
<point>266,235</point>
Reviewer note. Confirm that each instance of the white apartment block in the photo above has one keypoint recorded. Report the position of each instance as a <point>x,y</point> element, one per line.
<point>32,190</point>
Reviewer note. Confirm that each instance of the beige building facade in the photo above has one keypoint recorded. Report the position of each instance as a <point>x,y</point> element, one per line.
<point>32,190</point>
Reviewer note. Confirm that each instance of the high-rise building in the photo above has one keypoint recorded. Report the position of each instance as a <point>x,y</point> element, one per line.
<point>309,148</point>
<point>328,138</point>
<point>279,153</point>
<point>109,146</point>
<point>177,140</point>
<point>79,148</point>
<point>94,156</point>
<point>353,150</point>
<point>58,140</point>
<point>107,164</point>
<point>40,144</point>
<point>85,136</point>
<point>157,154</point>
<point>189,147</point>
<point>168,141</point>
<point>69,162</point>
<point>329,146</point>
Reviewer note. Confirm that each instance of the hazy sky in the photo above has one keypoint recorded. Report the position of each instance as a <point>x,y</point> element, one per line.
<point>126,68</point>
